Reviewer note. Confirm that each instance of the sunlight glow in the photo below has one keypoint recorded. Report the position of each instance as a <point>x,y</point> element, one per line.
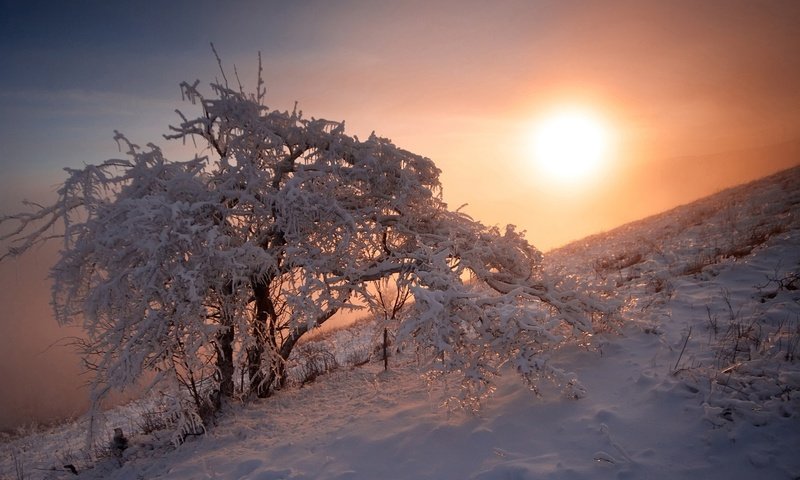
<point>570,144</point>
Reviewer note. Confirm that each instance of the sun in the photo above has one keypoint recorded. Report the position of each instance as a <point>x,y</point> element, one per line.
<point>570,144</point>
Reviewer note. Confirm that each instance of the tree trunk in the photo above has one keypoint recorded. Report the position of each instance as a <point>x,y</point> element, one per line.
<point>385,349</point>
<point>225,362</point>
<point>224,344</point>
<point>260,383</point>
<point>291,340</point>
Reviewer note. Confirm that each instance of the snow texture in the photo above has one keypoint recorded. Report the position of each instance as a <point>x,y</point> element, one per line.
<point>698,378</point>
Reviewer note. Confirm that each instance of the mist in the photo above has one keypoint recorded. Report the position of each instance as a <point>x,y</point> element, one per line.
<point>40,372</point>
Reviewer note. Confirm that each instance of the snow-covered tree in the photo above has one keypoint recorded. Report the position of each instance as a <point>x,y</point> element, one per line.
<point>208,271</point>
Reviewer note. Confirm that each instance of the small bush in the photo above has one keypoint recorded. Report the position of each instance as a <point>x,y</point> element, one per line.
<point>615,263</point>
<point>358,357</point>
<point>153,421</point>
<point>314,359</point>
<point>697,265</point>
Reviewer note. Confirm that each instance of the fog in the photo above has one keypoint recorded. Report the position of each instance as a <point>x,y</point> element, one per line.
<point>39,371</point>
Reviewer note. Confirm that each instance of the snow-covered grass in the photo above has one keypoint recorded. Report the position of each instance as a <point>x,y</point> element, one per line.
<point>698,377</point>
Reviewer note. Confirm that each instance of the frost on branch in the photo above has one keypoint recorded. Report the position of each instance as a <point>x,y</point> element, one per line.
<point>208,271</point>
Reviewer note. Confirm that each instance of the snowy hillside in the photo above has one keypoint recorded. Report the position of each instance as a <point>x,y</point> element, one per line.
<point>698,377</point>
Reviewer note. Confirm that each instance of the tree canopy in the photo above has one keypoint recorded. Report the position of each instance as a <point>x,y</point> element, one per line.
<point>208,271</point>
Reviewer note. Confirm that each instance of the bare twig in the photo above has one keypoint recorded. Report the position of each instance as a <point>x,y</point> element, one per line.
<point>686,341</point>
<point>19,468</point>
<point>219,62</point>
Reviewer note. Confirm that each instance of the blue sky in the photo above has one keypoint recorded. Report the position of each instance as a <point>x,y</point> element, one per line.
<point>78,70</point>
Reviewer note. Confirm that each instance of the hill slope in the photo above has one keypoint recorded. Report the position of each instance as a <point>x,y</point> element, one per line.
<point>698,378</point>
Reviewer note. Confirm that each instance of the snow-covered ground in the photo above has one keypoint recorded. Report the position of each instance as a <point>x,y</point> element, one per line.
<point>699,377</point>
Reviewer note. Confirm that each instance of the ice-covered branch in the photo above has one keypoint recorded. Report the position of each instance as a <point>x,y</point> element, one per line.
<point>212,269</point>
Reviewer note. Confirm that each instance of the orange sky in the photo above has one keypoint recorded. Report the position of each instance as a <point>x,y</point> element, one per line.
<point>702,95</point>
<point>454,81</point>
<point>675,79</point>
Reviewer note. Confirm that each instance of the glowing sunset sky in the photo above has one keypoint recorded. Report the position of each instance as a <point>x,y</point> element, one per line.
<point>699,95</point>
<point>460,82</point>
